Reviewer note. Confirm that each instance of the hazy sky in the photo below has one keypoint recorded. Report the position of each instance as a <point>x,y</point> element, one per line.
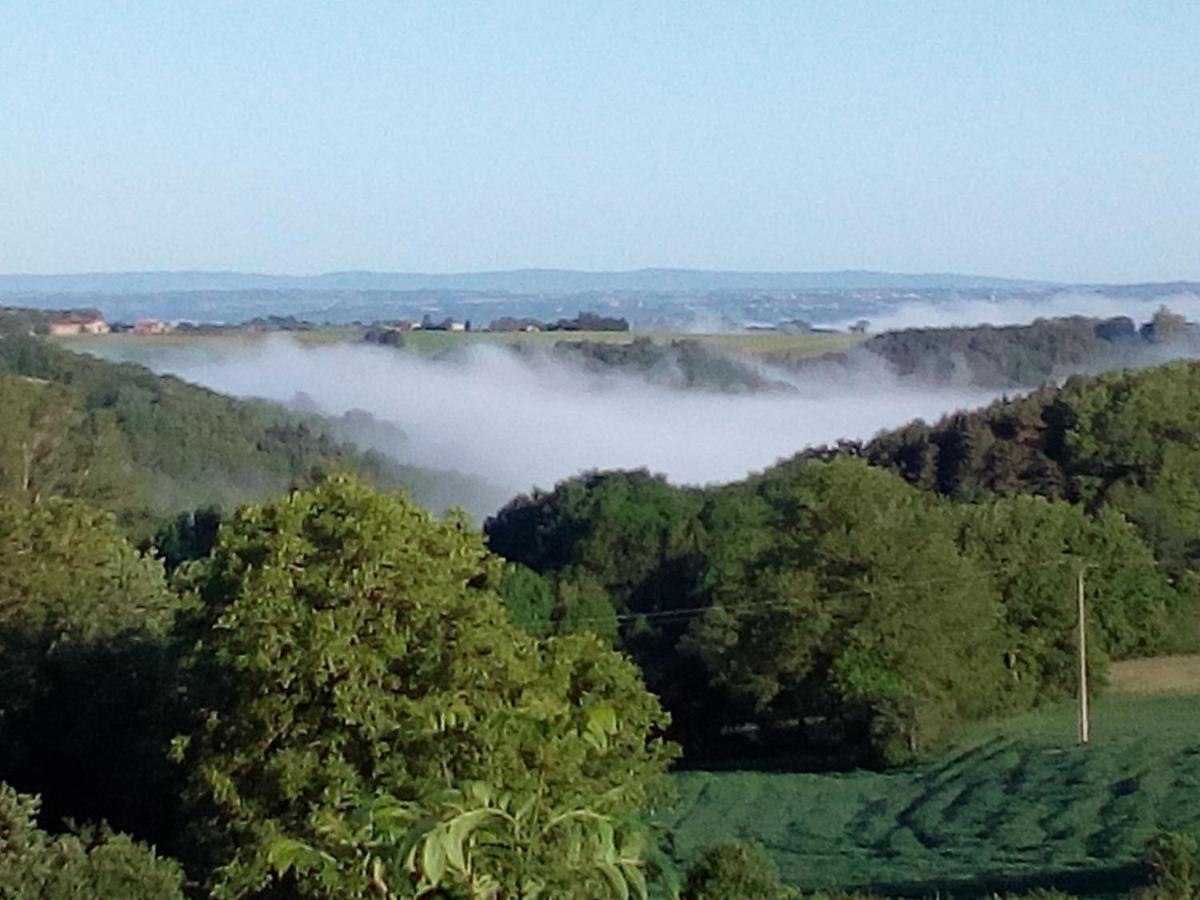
<point>1044,139</point>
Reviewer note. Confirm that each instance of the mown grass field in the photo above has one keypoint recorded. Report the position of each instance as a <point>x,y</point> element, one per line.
<point>1012,806</point>
<point>428,343</point>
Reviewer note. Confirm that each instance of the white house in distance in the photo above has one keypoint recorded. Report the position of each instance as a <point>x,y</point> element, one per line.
<point>79,323</point>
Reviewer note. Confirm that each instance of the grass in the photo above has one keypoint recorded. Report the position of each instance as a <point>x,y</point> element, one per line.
<point>1164,675</point>
<point>427,343</point>
<point>326,334</point>
<point>1013,805</point>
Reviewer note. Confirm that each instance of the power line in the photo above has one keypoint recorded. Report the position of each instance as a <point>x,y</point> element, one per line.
<point>861,591</point>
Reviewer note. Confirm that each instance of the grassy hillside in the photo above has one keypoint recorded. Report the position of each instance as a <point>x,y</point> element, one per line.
<point>1014,805</point>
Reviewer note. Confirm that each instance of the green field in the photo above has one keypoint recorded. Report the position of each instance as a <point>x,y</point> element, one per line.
<point>791,346</point>
<point>1014,805</point>
<point>329,334</point>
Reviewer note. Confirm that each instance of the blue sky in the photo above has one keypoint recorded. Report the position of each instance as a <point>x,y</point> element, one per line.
<point>1044,139</point>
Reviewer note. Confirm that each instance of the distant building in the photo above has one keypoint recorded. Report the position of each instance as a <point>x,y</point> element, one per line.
<point>150,326</point>
<point>512,323</point>
<point>447,324</point>
<point>590,321</point>
<point>77,324</point>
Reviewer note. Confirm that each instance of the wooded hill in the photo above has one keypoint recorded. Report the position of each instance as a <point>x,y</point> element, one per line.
<point>149,447</point>
<point>875,596</point>
<point>1018,356</point>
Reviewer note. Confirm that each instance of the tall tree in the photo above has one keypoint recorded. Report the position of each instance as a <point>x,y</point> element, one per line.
<point>84,669</point>
<point>352,656</point>
<point>839,594</point>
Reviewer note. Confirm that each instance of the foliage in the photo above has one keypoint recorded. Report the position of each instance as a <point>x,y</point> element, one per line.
<point>351,648</point>
<point>1035,548</point>
<point>1125,439</point>
<point>1132,441</point>
<point>84,670</point>
<point>49,446</point>
<point>735,869</point>
<point>94,864</point>
<point>486,845</point>
<point>146,446</point>
<point>1022,356</point>
<point>1173,862</point>
<point>634,537</point>
<point>191,535</point>
<point>590,321</point>
<point>684,364</point>
<point>852,605</point>
<point>528,597</point>
<point>753,570</point>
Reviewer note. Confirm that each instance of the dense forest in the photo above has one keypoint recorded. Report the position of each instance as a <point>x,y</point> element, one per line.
<point>331,692</point>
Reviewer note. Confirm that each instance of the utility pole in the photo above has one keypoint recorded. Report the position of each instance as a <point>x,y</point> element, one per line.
<point>1085,726</point>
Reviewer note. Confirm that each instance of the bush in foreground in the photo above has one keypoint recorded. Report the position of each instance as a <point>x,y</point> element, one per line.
<point>95,864</point>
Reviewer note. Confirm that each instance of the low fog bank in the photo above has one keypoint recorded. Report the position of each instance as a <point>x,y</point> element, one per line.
<point>518,423</point>
<point>1021,311</point>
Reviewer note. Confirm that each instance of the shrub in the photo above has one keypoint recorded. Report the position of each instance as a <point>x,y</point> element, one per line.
<point>735,870</point>
<point>95,864</point>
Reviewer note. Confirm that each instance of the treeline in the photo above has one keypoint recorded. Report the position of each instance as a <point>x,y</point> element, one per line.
<point>1125,441</point>
<point>1019,356</point>
<point>684,364</point>
<point>830,609</point>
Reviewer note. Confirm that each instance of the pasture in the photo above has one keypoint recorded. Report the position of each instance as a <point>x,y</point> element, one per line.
<point>1013,805</point>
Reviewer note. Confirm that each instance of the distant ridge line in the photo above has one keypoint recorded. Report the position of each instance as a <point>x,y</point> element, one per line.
<point>535,281</point>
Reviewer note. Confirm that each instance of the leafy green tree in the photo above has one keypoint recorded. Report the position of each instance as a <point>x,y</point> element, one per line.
<point>632,536</point>
<point>95,864</point>
<point>1173,864</point>
<point>84,671</point>
<point>528,597</point>
<point>351,652</point>
<point>841,595</point>
<point>581,605</point>
<point>735,870</point>
<point>1132,441</point>
<point>1034,548</point>
<point>50,446</point>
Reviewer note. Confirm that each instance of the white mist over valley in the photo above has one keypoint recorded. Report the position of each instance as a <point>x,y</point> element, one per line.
<point>519,423</point>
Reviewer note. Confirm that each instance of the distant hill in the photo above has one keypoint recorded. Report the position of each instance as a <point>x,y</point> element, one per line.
<point>556,281</point>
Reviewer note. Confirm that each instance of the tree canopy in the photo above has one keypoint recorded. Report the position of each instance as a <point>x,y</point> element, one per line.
<point>352,652</point>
